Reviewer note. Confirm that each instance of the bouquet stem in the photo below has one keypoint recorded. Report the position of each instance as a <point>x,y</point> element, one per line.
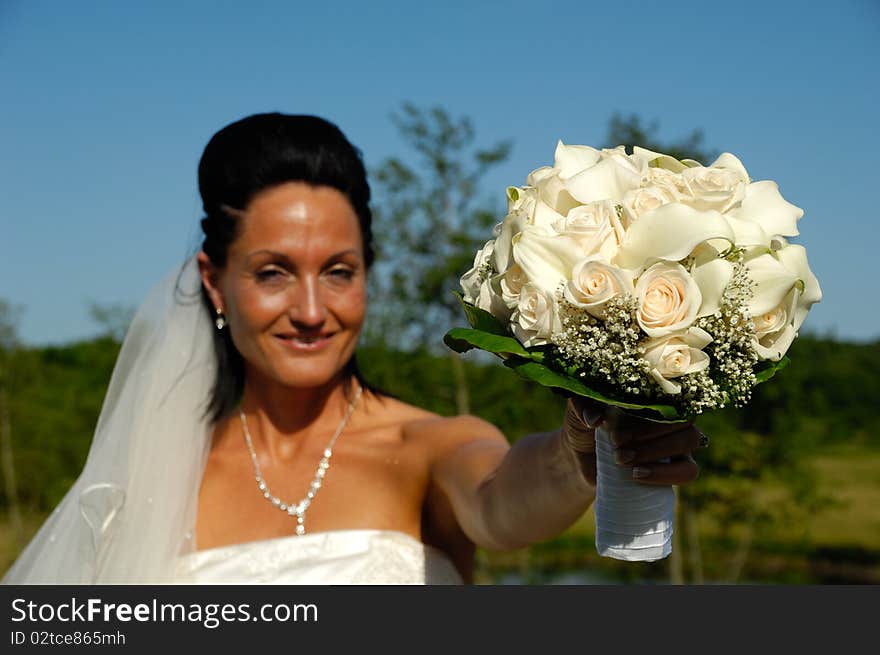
<point>633,521</point>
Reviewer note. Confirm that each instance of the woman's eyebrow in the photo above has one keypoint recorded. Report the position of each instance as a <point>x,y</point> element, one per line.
<point>272,253</point>
<point>342,253</point>
<point>280,256</point>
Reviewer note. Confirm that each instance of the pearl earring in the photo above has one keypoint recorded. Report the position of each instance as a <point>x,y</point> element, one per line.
<point>221,319</point>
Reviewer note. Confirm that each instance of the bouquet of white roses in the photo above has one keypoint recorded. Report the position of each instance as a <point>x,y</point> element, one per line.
<point>661,286</point>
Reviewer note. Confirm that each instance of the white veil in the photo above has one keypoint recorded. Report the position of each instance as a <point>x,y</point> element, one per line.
<point>132,510</point>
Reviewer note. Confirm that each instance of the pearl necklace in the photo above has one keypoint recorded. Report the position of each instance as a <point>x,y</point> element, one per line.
<point>298,509</point>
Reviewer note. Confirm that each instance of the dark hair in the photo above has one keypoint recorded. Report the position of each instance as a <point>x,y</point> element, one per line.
<point>247,157</point>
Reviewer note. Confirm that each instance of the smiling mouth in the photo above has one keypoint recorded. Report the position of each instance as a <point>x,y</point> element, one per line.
<point>305,342</point>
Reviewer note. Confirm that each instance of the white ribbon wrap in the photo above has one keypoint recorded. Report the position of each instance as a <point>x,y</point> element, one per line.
<point>633,521</point>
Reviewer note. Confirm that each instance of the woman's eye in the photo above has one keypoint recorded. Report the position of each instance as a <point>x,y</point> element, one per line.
<point>268,274</point>
<point>342,273</point>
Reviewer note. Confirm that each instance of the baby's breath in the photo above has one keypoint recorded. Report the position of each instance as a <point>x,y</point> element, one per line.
<point>607,353</point>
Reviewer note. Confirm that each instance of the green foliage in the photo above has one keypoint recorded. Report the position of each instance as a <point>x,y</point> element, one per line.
<point>113,318</point>
<point>629,131</point>
<point>55,397</point>
<point>430,220</point>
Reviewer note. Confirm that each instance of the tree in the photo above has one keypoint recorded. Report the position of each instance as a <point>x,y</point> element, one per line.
<point>629,131</point>
<point>8,346</point>
<point>113,319</point>
<point>430,220</point>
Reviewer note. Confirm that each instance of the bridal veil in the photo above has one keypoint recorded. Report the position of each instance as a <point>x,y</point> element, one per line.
<point>131,513</point>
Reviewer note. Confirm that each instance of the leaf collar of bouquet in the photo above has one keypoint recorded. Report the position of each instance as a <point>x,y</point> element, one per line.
<point>660,286</point>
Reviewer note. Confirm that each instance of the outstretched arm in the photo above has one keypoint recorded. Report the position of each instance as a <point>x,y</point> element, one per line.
<point>508,497</point>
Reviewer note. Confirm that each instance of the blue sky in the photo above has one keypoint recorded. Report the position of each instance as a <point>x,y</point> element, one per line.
<point>105,108</point>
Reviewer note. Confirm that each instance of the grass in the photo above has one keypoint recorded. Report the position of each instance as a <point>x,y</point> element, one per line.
<point>838,543</point>
<point>852,479</point>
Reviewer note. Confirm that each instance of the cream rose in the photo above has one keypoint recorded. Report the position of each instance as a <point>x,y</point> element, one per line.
<point>669,299</point>
<point>595,227</point>
<point>536,317</point>
<point>646,199</point>
<point>714,188</point>
<point>676,355</point>
<point>774,329</point>
<point>593,283</point>
<point>510,284</point>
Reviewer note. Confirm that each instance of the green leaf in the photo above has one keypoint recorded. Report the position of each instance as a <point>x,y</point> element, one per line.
<point>488,334</point>
<point>769,369</point>
<point>480,319</point>
<point>537,372</point>
<point>463,339</point>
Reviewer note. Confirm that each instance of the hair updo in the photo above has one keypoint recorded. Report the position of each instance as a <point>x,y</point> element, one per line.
<point>247,157</point>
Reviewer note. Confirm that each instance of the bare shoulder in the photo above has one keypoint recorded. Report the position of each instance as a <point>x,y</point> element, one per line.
<point>444,435</point>
<point>438,433</point>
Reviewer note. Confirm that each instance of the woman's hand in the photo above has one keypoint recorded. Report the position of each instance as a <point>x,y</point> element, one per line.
<point>659,453</point>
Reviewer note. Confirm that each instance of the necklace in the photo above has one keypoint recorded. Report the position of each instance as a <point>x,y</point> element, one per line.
<point>298,509</point>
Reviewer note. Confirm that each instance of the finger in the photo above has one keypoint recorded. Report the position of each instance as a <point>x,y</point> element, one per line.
<point>674,444</point>
<point>625,429</point>
<point>580,436</point>
<point>680,471</point>
<point>592,411</point>
<point>587,462</point>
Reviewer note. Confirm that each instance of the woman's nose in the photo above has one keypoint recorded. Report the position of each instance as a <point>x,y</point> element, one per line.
<point>307,307</point>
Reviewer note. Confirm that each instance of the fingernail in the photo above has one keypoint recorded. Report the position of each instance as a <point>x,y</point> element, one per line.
<point>592,419</point>
<point>641,472</point>
<point>624,456</point>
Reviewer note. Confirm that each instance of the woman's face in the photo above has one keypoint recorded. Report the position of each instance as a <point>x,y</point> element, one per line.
<point>294,285</point>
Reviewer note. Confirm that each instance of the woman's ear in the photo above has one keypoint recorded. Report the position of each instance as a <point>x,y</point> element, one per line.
<point>210,276</point>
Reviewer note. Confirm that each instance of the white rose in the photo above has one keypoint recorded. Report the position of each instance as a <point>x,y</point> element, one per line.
<point>675,355</point>
<point>674,183</point>
<point>595,227</point>
<point>545,258</point>
<point>641,201</point>
<point>536,317</point>
<point>471,281</point>
<point>774,329</point>
<point>510,284</point>
<point>669,299</point>
<point>714,188</point>
<point>593,283</point>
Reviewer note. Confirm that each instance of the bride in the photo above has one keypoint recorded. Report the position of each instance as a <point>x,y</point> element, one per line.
<point>239,442</point>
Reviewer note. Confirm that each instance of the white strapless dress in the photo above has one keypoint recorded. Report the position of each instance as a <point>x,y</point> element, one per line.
<point>338,557</point>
